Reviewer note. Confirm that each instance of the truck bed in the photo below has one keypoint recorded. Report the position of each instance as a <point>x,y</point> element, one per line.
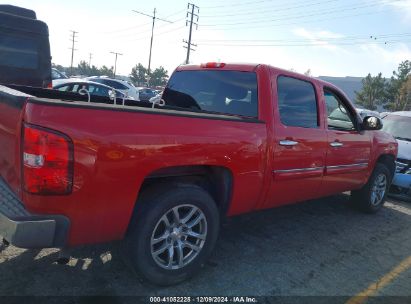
<point>117,147</point>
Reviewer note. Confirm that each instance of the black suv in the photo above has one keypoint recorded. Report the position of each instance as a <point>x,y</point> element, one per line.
<point>24,48</point>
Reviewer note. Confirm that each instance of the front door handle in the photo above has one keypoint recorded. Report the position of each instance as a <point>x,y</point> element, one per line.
<point>288,143</point>
<point>336,144</point>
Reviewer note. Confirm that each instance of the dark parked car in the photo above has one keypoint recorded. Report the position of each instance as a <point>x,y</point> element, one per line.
<point>124,86</point>
<point>56,74</point>
<point>146,93</point>
<point>94,88</point>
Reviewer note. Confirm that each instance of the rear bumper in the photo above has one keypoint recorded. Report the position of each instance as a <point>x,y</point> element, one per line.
<point>25,230</point>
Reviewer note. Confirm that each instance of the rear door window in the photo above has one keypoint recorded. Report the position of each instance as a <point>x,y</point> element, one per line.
<point>226,92</point>
<point>64,88</point>
<point>115,84</point>
<point>75,87</point>
<point>99,90</point>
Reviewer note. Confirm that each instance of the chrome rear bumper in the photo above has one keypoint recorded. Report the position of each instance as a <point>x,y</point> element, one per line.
<point>25,230</point>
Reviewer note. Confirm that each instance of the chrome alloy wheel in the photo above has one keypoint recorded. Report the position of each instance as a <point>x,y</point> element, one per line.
<point>178,236</point>
<point>378,189</point>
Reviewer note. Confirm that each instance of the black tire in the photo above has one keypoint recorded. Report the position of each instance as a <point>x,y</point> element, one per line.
<point>363,198</point>
<point>152,206</point>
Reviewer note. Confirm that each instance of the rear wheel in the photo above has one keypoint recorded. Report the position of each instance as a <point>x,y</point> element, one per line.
<point>371,197</point>
<point>173,234</point>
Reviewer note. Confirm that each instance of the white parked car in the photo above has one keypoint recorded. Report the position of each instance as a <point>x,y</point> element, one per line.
<point>120,85</point>
<point>398,124</point>
<point>364,112</point>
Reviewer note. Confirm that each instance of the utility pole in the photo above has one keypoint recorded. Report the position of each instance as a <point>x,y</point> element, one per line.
<point>73,36</point>
<point>115,62</point>
<point>152,35</point>
<point>89,60</point>
<point>192,14</point>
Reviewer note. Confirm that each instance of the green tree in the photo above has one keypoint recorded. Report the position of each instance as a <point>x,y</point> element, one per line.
<point>139,74</point>
<point>83,68</point>
<point>159,77</point>
<point>105,71</point>
<point>58,67</point>
<point>404,97</point>
<point>397,97</point>
<point>308,73</point>
<point>372,93</point>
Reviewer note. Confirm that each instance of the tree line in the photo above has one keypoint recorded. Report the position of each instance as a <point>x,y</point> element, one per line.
<point>394,93</point>
<point>139,74</point>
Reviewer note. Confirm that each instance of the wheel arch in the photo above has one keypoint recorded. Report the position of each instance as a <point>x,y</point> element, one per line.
<point>389,161</point>
<point>216,180</point>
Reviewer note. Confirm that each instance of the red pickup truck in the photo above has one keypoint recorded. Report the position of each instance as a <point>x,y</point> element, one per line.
<point>230,139</point>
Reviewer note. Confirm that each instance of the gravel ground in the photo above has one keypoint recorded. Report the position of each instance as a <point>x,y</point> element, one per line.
<point>317,248</point>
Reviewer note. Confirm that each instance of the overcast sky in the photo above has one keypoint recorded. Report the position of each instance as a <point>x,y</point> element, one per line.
<point>330,37</point>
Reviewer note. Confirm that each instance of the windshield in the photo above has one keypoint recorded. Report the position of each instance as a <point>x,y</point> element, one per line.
<point>398,126</point>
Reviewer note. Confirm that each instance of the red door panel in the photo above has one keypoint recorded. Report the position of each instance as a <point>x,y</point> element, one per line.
<point>300,142</point>
<point>297,170</point>
<point>348,149</point>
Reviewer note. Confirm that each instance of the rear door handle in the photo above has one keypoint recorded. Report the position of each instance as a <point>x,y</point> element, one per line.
<point>288,143</point>
<point>336,144</point>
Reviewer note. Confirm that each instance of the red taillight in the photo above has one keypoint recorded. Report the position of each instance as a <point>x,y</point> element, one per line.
<point>213,65</point>
<point>47,161</point>
<point>47,84</point>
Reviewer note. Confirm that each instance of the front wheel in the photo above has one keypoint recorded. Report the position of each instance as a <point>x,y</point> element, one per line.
<point>371,197</point>
<point>174,234</point>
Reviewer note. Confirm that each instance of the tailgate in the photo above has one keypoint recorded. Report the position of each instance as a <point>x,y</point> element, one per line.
<point>11,109</point>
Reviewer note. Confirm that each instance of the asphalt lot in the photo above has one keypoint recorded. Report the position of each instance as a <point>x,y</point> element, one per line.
<point>317,248</point>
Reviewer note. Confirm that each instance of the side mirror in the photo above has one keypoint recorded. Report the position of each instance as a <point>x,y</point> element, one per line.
<point>371,123</point>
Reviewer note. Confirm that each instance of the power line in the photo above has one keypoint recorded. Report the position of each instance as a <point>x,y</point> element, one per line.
<point>144,33</point>
<point>266,26</point>
<point>192,15</point>
<point>73,37</point>
<point>138,26</point>
<point>115,62</point>
<point>320,43</point>
<point>172,30</point>
<point>239,4</point>
<point>317,13</point>
<point>175,13</point>
<point>127,28</point>
<point>152,34</point>
<point>267,10</point>
<point>344,38</point>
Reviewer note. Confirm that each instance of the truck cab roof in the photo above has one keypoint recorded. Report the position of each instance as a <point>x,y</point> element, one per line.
<point>250,67</point>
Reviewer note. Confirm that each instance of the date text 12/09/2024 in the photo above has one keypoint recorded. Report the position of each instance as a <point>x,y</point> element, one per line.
<point>203,299</point>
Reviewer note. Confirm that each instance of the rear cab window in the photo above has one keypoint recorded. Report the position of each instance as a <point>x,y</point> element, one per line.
<point>223,92</point>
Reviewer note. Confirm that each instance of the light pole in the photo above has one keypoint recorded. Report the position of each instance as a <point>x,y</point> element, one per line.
<point>152,35</point>
<point>115,62</point>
